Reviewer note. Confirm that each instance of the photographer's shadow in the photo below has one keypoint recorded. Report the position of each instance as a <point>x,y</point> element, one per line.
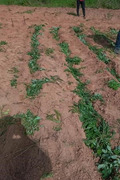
<point>21,158</point>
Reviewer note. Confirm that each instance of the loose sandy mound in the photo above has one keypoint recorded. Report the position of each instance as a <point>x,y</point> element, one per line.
<point>62,152</point>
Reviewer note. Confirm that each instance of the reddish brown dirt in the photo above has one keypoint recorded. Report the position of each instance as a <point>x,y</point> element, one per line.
<point>61,152</point>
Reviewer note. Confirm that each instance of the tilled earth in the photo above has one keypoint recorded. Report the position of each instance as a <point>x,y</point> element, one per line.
<point>63,152</point>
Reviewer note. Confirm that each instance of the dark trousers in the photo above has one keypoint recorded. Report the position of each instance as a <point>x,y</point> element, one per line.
<point>117,44</point>
<point>82,3</point>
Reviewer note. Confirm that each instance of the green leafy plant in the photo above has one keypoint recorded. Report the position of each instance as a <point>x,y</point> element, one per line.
<point>98,133</point>
<point>3,43</point>
<point>75,60</point>
<point>46,175</point>
<point>100,54</point>
<point>113,84</point>
<point>77,30</point>
<point>65,48</point>
<point>29,121</point>
<point>34,88</point>
<point>74,71</point>
<point>113,31</point>
<point>54,31</point>
<point>34,53</point>
<point>13,82</point>
<point>114,73</point>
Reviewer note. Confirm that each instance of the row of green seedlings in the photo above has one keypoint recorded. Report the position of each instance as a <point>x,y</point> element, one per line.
<point>98,132</point>
<point>105,36</point>
<point>101,56</point>
<point>35,52</point>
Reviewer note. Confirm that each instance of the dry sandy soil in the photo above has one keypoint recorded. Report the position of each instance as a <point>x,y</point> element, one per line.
<point>62,153</point>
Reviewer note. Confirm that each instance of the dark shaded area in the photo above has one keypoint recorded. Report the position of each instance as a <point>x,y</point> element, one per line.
<point>72,13</point>
<point>20,157</point>
<point>102,40</point>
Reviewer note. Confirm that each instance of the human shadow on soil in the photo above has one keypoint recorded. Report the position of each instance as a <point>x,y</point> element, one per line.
<point>102,40</point>
<point>20,157</point>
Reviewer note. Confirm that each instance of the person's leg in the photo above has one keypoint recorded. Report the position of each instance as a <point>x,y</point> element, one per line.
<point>117,44</point>
<point>78,5</point>
<point>83,7</point>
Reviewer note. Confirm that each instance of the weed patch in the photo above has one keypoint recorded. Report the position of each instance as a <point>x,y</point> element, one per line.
<point>3,43</point>
<point>35,54</point>
<point>29,121</point>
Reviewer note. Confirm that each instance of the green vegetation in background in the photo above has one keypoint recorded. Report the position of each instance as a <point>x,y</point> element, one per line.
<point>111,4</point>
<point>13,82</point>
<point>98,132</point>
<point>34,53</point>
